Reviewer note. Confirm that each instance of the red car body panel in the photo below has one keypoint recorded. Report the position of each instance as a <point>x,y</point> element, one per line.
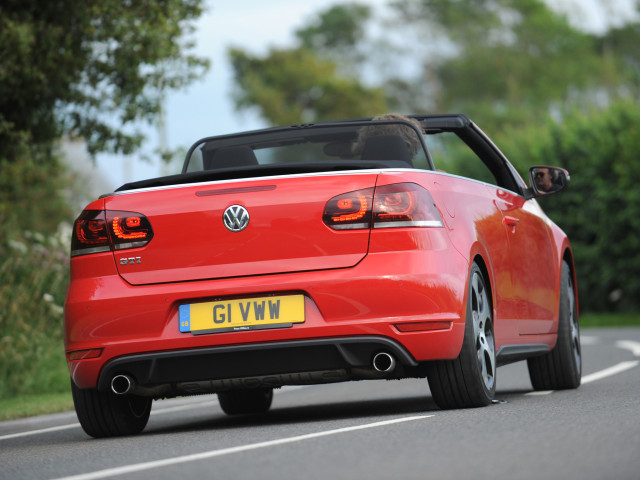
<point>356,283</point>
<point>284,216</point>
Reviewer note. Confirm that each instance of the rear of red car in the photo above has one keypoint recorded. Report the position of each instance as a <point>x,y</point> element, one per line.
<point>313,254</point>
<point>328,271</point>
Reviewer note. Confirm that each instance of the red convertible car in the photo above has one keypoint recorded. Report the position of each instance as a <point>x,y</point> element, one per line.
<point>382,248</point>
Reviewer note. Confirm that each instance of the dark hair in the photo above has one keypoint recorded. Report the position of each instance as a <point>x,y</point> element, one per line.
<point>406,133</point>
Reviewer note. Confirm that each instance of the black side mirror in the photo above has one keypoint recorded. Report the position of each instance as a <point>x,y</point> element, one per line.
<point>546,180</point>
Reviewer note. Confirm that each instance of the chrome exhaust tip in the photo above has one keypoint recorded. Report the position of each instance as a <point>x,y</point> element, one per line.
<point>122,384</point>
<point>383,362</point>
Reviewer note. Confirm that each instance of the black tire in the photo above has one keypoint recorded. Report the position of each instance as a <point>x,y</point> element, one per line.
<point>105,414</point>
<point>241,402</point>
<point>561,368</point>
<point>469,380</point>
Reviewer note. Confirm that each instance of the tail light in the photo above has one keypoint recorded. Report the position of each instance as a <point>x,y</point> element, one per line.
<point>404,205</point>
<point>129,230</point>
<point>90,233</point>
<point>98,231</point>
<point>389,206</point>
<point>349,211</point>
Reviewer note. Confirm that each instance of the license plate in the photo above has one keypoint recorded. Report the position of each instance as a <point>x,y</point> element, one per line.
<point>243,314</point>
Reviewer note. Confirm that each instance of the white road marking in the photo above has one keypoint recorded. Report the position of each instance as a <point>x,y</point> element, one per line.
<point>36,432</point>
<point>630,345</point>
<point>607,372</point>
<point>539,393</point>
<point>137,467</point>
<point>588,340</point>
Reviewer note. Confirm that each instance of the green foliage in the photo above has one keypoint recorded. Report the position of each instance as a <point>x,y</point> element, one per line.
<point>312,81</point>
<point>295,86</point>
<point>33,196</point>
<point>514,60</point>
<point>34,270</point>
<point>33,282</point>
<point>601,209</point>
<point>71,67</point>
<point>339,27</point>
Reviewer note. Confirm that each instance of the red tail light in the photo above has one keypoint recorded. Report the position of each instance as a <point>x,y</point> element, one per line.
<point>392,206</point>
<point>349,211</point>
<point>90,233</point>
<point>404,205</point>
<point>96,231</point>
<point>129,230</point>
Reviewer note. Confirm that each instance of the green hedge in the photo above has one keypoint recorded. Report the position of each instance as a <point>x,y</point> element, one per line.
<point>601,209</point>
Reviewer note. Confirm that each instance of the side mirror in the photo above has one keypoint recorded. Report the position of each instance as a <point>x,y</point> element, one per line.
<point>547,181</point>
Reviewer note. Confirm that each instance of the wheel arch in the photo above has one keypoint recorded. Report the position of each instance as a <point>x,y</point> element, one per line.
<point>482,265</point>
<point>567,256</point>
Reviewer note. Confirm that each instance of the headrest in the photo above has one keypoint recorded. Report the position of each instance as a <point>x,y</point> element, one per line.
<point>226,157</point>
<point>386,147</point>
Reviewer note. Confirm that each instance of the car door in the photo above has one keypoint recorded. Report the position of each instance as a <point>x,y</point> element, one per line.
<point>533,258</point>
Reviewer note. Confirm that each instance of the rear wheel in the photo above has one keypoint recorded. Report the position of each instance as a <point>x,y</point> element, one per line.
<point>470,379</point>
<point>105,414</point>
<point>562,367</point>
<point>238,402</point>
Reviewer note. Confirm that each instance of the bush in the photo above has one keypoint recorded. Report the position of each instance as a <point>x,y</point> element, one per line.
<point>601,209</point>
<point>34,275</point>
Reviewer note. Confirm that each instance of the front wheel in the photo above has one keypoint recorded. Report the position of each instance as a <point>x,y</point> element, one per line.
<point>105,414</point>
<point>561,368</point>
<point>469,380</point>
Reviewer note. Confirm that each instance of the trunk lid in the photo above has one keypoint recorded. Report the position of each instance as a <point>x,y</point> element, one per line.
<point>285,232</point>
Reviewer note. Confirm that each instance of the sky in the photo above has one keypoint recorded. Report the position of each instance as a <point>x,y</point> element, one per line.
<point>205,108</point>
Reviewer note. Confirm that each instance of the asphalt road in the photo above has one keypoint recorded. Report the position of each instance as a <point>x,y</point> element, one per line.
<point>367,430</point>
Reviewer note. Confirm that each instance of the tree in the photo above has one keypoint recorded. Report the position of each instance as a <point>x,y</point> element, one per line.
<point>309,82</point>
<point>337,34</point>
<point>510,61</point>
<point>620,45</point>
<point>295,86</point>
<point>89,69</point>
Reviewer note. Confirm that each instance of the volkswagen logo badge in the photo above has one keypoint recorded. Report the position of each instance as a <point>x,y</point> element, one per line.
<point>235,218</point>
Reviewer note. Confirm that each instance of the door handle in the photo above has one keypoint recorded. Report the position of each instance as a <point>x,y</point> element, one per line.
<point>511,223</point>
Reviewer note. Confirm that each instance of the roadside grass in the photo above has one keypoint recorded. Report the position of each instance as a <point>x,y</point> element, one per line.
<point>31,404</point>
<point>604,320</point>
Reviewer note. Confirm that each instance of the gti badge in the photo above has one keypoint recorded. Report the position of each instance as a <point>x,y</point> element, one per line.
<point>130,260</point>
<point>236,218</point>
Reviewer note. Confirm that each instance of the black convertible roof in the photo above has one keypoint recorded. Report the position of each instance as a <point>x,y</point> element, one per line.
<point>431,124</point>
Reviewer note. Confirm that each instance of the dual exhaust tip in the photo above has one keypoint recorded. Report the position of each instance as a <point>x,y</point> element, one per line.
<point>384,362</point>
<point>124,384</point>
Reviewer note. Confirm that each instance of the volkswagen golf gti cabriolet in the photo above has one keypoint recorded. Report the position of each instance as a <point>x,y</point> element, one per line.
<point>383,248</point>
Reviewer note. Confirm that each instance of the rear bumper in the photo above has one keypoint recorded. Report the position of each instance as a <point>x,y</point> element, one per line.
<point>276,364</point>
<point>136,328</point>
